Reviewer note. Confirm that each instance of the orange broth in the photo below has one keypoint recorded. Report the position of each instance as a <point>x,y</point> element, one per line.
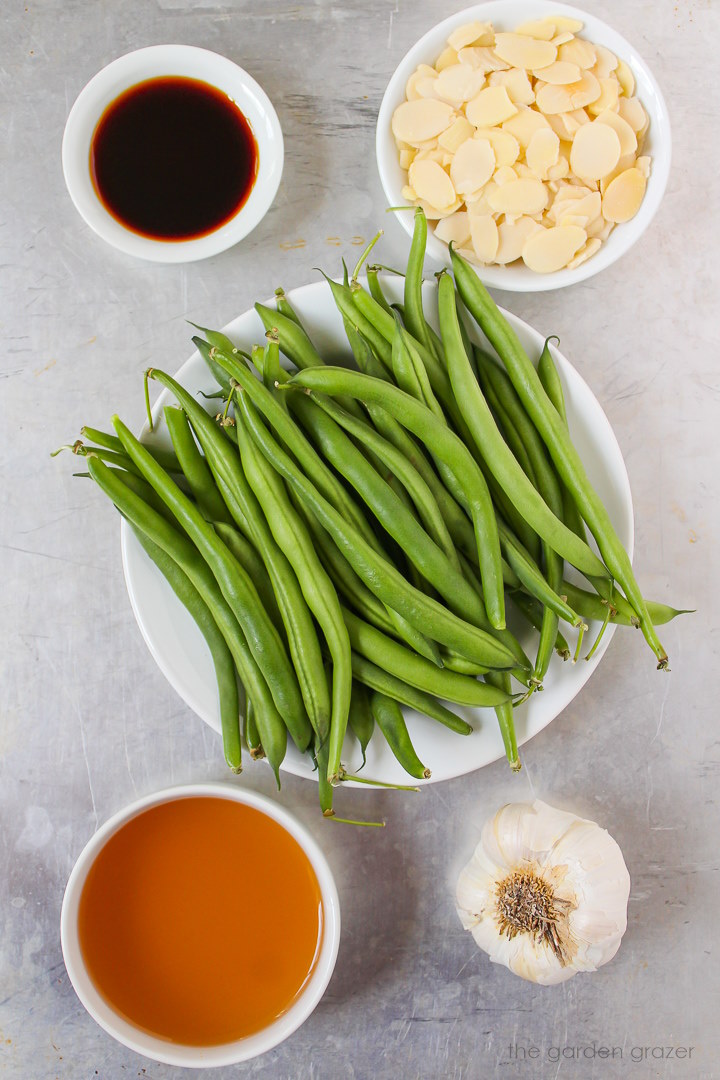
<point>200,920</point>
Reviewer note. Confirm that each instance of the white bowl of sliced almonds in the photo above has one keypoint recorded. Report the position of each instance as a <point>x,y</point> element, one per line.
<point>534,137</point>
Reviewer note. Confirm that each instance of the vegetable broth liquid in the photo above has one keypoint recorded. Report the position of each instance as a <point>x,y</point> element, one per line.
<point>200,921</point>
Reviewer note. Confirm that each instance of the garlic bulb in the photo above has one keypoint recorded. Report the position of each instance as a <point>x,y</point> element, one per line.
<point>545,893</point>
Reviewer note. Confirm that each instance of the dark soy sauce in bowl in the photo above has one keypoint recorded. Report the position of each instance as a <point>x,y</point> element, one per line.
<point>173,159</point>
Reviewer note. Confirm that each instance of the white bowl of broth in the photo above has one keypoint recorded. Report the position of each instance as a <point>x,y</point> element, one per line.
<point>172,153</point>
<point>200,925</point>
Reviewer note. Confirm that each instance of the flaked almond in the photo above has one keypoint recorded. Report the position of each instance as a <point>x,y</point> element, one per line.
<point>622,199</point>
<point>472,165</point>
<point>549,250</point>
<point>491,106</point>
<point>417,121</point>
<point>480,33</point>
<point>595,151</point>
<point>542,152</point>
<point>484,236</point>
<point>455,228</point>
<point>519,197</point>
<point>431,183</point>
<point>504,143</point>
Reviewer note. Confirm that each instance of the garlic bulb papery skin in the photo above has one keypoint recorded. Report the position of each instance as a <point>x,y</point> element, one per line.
<point>545,893</point>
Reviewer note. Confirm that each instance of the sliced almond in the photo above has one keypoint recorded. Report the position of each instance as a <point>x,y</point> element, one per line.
<point>595,151</point>
<point>455,228</point>
<point>471,33</point>
<point>406,158</point>
<point>517,84</point>
<point>408,193</point>
<point>578,51</point>
<point>627,161</point>
<point>622,199</point>
<point>524,52</point>
<point>417,121</point>
<point>512,236</point>
<point>453,137</point>
<point>608,100</point>
<point>484,237</point>
<point>504,175</point>
<point>631,110</point>
<point>626,135</point>
<point>643,164</point>
<point>436,154</point>
<point>551,249</point>
<point>586,251</point>
<point>505,145</point>
<point>446,58</point>
<point>552,98</point>
<point>542,29</point>
<point>479,202</point>
<point>600,229</point>
<point>431,183</point>
<point>458,83</point>
<point>519,197</point>
<point>574,219</point>
<point>589,207</point>
<point>559,170</point>
<point>491,106</point>
<point>427,87</point>
<point>559,73</point>
<point>469,255</point>
<point>563,124</point>
<point>472,165</point>
<point>585,91</point>
<point>561,38</point>
<point>625,77</point>
<point>566,23</point>
<point>606,62</point>
<point>524,124</point>
<point>542,152</point>
<point>435,213</point>
<point>483,58</point>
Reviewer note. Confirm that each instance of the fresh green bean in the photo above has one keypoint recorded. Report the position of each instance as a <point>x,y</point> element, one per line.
<point>591,606</point>
<point>398,521</point>
<point>361,720</point>
<point>413,315</point>
<point>532,611</point>
<point>415,670</point>
<point>294,342</point>
<point>398,464</point>
<point>250,559</point>
<point>224,463</point>
<point>388,716</point>
<point>550,425</point>
<point>504,712</point>
<point>252,735</point>
<point>178,547</point>
<point>519,489</point>
<point>238,589</point>
<point>446,446</point>
<point>206,352</point>
<point>532,578</point>
<point>292,537</point>
<point>376,288</point>
<point>195,467</point>
<point>164,457</point>
<point>545,479</point>
<point>285,307</point>
<point>426,614</point>
<point>222,659</point>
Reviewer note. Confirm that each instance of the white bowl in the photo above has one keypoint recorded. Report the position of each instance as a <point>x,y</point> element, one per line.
<point>188,62</point>
<point>184,658</point>
<point>506,15</point>
<point>198,1057</point>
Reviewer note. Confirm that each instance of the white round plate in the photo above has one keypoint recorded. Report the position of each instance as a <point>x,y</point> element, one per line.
<point>183,657</point>
<point>506,15</point>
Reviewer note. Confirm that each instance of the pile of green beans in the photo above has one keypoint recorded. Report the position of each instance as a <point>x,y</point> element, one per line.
<point>348,538</point>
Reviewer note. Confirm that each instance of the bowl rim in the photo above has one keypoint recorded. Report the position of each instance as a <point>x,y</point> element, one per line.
<point>157,61</point>
<point>231,1053</point>
<point>515,278</point>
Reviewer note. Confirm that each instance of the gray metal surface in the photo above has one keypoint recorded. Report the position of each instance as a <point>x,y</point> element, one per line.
<point>88,722</point>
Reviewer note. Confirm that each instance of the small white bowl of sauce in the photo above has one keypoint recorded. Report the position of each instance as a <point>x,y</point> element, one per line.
<point>172,153</point>
<point>200,925</point>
